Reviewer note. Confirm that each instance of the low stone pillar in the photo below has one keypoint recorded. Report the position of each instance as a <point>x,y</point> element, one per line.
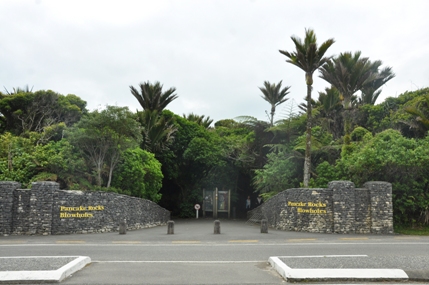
<point>217,227</point>
<point>264,226</point>
<point>381,207</point>
<point>170,228</point>
<point>6,209</point>
<point>41,206</point>
<point>343,199</point>
<point>123,227</point>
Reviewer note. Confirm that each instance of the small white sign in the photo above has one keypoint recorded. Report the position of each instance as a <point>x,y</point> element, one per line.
<point>197,206</point>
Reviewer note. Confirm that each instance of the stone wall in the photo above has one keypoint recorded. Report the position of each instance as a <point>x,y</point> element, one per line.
<point>106,210</point>
<point>340,208</point>
<point>45,210</point>
<point>21,211</point>
<point>363,211</point>
<point>6,205</point>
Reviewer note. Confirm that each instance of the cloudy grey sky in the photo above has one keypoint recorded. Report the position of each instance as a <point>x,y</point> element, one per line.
<point>215,53</point>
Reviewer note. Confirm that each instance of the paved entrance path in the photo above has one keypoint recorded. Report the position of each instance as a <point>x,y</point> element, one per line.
<point>194,255</point>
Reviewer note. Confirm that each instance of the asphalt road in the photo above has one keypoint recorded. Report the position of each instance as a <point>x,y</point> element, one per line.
<point>194,255</point>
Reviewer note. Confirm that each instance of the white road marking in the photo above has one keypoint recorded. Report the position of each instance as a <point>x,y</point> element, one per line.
<point>315,256</point>
<point>177,261</point>
<point>212,244</point>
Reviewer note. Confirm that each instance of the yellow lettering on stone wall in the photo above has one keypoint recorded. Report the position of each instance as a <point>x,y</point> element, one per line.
<point>65,211</point>
<point>313,207</point>
<point>317,205</point>
<point>75,215</point>
<point>311,211</point>
<point>296,204</point>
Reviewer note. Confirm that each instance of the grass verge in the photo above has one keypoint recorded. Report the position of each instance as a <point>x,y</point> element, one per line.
<point>412,230</point>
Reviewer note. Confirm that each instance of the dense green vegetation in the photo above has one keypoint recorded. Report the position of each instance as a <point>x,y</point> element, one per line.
<point>168,158</point>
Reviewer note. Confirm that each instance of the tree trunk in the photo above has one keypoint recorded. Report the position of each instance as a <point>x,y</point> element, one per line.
<point>307,159</point>
<point>347,126</point>
<point>110,177</point>
<point>98,169</point>
<point>273,110</point>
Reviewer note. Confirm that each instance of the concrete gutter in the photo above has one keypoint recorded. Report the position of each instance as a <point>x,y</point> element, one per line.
<point>17,276</point>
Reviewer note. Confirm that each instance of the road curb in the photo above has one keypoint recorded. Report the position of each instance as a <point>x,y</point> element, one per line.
<point>44,276</point>
<point>333,274</point>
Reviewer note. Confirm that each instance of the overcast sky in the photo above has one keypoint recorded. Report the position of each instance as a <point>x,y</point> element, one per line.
<point>215,53</point>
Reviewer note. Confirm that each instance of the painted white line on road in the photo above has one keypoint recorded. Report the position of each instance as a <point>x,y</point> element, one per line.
<point>37,256</point>
<point>70,241</point>
<point>243,240</point>
<point>178,261</point>
<point>354,238</point>
<point>315,256</point>
<point>185,241</point>
<point>211,244</point>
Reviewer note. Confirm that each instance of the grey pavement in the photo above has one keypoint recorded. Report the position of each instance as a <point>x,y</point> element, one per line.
<point>239,255</point>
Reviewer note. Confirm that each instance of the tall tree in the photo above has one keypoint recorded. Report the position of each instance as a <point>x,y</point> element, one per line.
<point>27,111</point>
<point>16,90</point>
<point>420,111</point>
<point>157,130</point>
<point>370,92</point>
<point>275,95</point>
<point>152,98</point>
<point>104,136</point>
<point>200,120</point>
<point>330,112</point>
<point>308,56</point>
<point>349,73</point>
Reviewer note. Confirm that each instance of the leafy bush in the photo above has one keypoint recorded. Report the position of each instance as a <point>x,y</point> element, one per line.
<point>139,175</point>
<point>391,157</point>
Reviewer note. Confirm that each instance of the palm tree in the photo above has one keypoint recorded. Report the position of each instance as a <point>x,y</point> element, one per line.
<point>200,120</point>
<point>17,90</point>
<point>151,97</point>
<point>370,91</point>
<point>158,131</point>
<point>308,56</point>
<point>274,95</point>
<point>349,73</point>
<point>420,112</point>
<point>330,108</point>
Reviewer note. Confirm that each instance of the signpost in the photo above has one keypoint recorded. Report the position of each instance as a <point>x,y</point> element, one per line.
<point>197,207</point>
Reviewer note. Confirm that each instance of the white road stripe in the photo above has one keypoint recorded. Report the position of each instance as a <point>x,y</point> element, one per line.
<point>214,244</point>
<point>315,256</point>
<point>178,261</point>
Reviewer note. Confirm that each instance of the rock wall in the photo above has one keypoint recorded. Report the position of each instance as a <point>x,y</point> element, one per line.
<point>21,211</point>
<point>340,208</point>
<point>45,210</point>
<point>6,205</point>
<point>102,212</point>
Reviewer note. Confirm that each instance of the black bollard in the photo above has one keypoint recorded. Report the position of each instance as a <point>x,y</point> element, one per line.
<point>264,226</point>
<point>170,228</point>
<point>123,227</point>
<point>217,227</point>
